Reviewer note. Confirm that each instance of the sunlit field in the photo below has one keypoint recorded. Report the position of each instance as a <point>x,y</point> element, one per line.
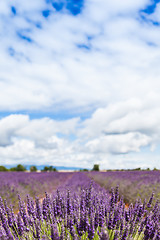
<point>34,184</point>
<point>132,184</point>
<point>79,120</point>
<point>79,205</point>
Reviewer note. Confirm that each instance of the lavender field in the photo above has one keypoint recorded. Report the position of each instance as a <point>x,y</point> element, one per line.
<point>78,206</point>
<point>33,183</point>
<point>132,184</point>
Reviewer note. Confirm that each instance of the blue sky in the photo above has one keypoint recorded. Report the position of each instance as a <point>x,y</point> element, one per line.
<point>79,83</point>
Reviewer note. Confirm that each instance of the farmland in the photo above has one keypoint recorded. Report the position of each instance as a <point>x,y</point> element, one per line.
<point>132,184</point>
<point>33,184</point>
<point>78,205</point>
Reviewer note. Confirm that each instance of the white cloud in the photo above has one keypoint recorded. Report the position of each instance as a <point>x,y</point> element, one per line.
<point>102,9</point>
<point>118,129</point>
<point>123,127</point>
<point>41,131</point>
<point>8,127</point>
<point>126,116</point>
<point>60,72</point>
<point>114,73</point>
<point>118,144</point>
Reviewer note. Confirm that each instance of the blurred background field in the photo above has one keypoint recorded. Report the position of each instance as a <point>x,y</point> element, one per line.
<point>32,183</point>
<point>132,184</point>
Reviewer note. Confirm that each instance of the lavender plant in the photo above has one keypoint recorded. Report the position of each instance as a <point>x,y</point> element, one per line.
<point>14,183</point>
<point>132,184</point>
<point>80,209</point>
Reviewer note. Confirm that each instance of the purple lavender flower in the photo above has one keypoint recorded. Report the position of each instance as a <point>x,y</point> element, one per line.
<point>125,234</point>
<point>91,230</point>
<point>62,235</point>
<point>76,214</point>
<point>37,234</point>
<point>112,201</point>
<point>104,234</point>
<point>38,209</point>
<point>110,226</point>
<point>20,225</point>
<point>117,194</point>
<point>150,201</point>
<point>22,211</point>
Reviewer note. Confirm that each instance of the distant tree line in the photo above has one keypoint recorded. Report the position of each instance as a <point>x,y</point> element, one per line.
<point>134,169</point>
<point>21,168</point>
<point>18,168</point>
<point>96,168</point>
<point>49,169</point>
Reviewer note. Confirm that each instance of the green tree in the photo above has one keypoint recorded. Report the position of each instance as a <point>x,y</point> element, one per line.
<point>155,169</point>
<point>45,169</point>
<point>49,169</point>
<point>13,169</point>
<point>84,170</point>
<point>95,167</point>
<point>137,169</point>
<point>20,168</point>
<point>52,169</point>
<point>3,169</point>
<point>33,169</point>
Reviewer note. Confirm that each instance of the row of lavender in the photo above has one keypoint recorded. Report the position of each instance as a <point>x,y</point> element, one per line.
<point>132,184</point>
<point>34,184</point>
<point>81,209</point>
